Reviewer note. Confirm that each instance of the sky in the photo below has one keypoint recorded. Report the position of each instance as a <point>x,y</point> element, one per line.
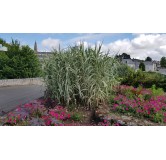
<point>138,45</point>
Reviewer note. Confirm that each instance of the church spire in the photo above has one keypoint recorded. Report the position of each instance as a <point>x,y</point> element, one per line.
<point>35,47</point>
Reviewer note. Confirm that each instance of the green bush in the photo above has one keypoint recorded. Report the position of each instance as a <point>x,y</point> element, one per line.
<point>19,62</point>
<point>158,118</point>
<point>79,75</point>
<point>152,78</point>
<point>146,79</point>
<point>126,74</point>
<point>4,60</point>
<point>157,91</point>
<point>76,117</point>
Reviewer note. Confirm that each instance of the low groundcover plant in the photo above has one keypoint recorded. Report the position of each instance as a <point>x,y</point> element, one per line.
<point>36,114</point>
<point>140,102</point>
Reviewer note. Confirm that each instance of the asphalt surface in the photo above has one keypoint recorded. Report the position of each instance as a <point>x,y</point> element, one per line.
<point>11,97</point>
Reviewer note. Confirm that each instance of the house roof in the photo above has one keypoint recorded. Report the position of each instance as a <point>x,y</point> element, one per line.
<point>137,60</point>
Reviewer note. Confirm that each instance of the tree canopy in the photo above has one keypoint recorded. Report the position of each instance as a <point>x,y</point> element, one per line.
<point>18,62</point>
<point>123,56</point>
<point>2,41</point>
<point>142,66</point>
<point>163,62</point>
<point>148,59</point>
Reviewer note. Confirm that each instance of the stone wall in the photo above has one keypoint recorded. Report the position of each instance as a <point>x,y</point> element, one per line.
<point>18,82</point>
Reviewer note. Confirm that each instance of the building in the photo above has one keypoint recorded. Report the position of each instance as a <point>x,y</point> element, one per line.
<point>2,48</point>
<point>41,55</point>
<point>134,63</point>
<point>129,62</point>
<point>150,66</point>
<point>162,70</point>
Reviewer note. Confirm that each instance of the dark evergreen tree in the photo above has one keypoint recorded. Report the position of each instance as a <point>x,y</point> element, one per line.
<point>122,56</point>
<point>125,56</point>
<point>142,66</point>
<point>148,59</point>
<point>163,62</point>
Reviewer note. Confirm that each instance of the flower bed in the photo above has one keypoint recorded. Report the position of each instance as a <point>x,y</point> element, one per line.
<point>147,105</point>
<point>36,114</point>
<point>140,102</point>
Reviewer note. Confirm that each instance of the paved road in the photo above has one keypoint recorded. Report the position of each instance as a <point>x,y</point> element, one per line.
<point>10,97</point>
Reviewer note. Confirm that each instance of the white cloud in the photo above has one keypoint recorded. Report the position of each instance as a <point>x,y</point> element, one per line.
<point>146,41</point>
<point>143,45</point>
<point>120,46</point>
<point>51,43</point>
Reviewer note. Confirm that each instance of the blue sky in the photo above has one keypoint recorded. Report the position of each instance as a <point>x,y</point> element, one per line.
<point>65,38</point>
<point>138,45</point>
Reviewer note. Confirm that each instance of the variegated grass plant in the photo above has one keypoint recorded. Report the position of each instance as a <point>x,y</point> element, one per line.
<point>80,76</point>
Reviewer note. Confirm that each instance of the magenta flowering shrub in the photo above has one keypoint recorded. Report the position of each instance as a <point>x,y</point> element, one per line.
<point>140,102</point>
<point>104,123</point>
<point>36,114</point>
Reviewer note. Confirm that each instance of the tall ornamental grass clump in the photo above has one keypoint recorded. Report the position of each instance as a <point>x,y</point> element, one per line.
<point>81,76</point>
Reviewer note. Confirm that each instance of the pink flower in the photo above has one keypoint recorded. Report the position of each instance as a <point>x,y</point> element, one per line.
<point>105,121</point>
<point>61,117</point>
<point>48,122</point>
<point>165,120</point>
<point>68,116</point>
<point>18,109</point>
<point>18,117</point>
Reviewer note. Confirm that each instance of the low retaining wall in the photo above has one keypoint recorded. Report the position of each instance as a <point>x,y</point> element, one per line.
<point>19,82</point>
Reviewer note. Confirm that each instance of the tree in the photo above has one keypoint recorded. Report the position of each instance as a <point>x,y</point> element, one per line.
<point>4,60</point>
<point>142,66</point>
<point>3,42</point>
<point>163,62</point>
<point>148,59</point>
<point>122,56</point>
<point>19,62</point>
<point>125,56</point>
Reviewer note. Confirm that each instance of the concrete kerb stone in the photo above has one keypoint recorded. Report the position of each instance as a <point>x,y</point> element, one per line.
<point>18,82</point>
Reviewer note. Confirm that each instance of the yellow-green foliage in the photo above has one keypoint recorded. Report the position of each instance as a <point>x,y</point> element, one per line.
<point>157,91</point>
